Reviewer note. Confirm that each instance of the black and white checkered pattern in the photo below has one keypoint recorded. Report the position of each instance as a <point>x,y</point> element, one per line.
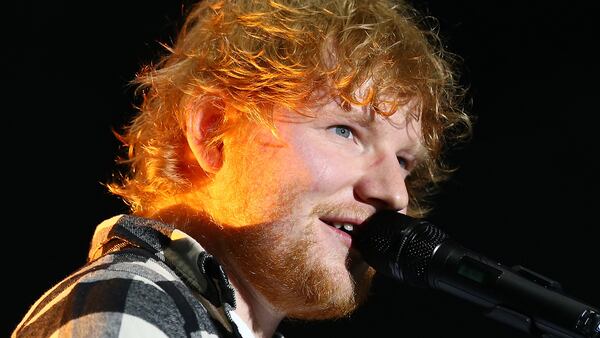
<point>144,279</point>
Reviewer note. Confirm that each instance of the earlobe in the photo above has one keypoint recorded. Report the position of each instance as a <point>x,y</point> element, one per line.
<point>203,124</point>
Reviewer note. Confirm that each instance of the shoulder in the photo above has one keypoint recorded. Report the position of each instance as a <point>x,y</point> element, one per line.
<point>120,292</point>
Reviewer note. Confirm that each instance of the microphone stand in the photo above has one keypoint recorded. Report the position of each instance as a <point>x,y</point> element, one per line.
<point>519,297</point>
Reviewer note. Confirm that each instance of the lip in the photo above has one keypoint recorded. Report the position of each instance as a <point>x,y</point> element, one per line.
<point>350,220</point>
<point>356,222</point>
<point>344,237</point>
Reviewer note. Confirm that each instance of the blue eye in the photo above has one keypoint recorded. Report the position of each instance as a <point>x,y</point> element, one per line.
<point>343,131</point>
<point>403,162</point>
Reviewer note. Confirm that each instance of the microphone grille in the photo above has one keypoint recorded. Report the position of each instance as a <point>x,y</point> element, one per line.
<point>418,252</point>
<point>398,246</point>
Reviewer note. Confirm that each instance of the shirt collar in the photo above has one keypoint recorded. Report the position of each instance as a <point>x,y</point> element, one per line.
<point>178,250</point>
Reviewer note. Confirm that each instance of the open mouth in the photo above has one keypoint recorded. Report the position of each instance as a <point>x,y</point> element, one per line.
<point>345,227</point>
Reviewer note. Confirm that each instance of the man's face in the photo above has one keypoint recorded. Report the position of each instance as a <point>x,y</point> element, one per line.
<point>287,199</point>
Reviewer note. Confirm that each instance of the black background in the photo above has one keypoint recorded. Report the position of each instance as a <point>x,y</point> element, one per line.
<point>525,192</point>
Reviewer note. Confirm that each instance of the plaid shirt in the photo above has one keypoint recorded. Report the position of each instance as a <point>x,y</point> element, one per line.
<point>143,278</point>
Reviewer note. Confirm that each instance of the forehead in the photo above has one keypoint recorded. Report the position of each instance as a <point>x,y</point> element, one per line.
<point>366,101</point>
<point>367,113</point>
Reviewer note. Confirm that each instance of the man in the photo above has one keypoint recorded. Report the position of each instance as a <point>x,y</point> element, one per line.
<point>270,130</point>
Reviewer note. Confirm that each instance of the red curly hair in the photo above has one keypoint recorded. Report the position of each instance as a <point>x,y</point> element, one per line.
<point>250,56</point>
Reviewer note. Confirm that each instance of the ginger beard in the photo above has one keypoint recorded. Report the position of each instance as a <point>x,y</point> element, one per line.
<point>295,274</point>
<point>272,240</point>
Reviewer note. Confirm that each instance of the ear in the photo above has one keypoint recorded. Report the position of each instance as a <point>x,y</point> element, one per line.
<point>202,123</point>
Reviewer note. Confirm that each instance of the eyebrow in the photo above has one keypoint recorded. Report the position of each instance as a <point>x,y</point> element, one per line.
<point>364,117</point>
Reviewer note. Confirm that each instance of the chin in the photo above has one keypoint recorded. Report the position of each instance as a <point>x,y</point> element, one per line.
<point>335,297</point>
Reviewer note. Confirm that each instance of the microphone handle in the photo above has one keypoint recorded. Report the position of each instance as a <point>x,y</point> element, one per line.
<point>514,296</point>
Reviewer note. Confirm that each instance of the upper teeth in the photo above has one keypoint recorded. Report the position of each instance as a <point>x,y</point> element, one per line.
<point>346,226</point>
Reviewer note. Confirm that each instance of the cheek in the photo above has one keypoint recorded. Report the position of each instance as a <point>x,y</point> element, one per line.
<point>255,184</point>
<point>328,170</point>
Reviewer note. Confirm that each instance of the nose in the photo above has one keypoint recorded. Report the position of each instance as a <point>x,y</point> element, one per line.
<point>383,184</point>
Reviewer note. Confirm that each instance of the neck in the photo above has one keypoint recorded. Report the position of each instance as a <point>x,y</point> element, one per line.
<point>255,311</point>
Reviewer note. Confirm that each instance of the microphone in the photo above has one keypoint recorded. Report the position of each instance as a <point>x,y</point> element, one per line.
<point>415,252</point>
